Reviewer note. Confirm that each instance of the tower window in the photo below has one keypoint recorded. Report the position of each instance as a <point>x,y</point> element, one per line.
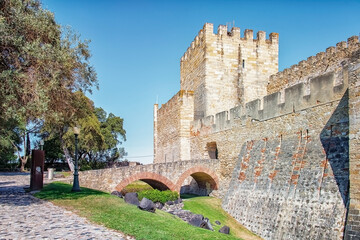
<point>243,63</point>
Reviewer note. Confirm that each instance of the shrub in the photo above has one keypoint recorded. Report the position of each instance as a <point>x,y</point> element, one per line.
<point>158,196</point>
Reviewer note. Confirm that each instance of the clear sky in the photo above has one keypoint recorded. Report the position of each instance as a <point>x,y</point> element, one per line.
<point>137,45</point>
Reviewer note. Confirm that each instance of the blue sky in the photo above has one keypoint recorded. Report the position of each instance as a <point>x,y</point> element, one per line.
<point>137,45</point>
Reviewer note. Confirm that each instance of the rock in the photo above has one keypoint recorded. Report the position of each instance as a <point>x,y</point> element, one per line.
<point>176,201</point>
<point>218,222</point>
<point>180,200</point>
<point>196,220</point>
<point>59,175</point>
<point>116,193</point>
<point>170,203</point>
<point>147,205</point>
<point>159,205</point>
<point>206,224</point>
<point>225,229</point>
<point>132,198</point>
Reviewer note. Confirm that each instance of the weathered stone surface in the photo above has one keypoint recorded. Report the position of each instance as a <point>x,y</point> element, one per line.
<point>206,224</point>
<point>225,229</point>
<point>147,205</point>
<point>172,207</point>
<point>132,198</point>
<point>196,220</point>
<point>159,205</point>
<point>170,203</point>
<point>353,222</point>
<point>117,193</point>
<point>284,160</point>
<point>172,175</point>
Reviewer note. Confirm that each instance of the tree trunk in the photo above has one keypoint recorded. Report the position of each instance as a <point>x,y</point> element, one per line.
<point>68,157</point>
<point>23,161</point>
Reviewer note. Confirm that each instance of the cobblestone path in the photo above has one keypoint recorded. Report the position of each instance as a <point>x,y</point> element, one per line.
<point>23,216</point>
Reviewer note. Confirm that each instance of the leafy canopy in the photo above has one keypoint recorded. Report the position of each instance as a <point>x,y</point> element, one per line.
<point>41,65</point>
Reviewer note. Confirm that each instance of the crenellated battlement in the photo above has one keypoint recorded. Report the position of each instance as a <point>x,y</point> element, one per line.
<point>327,61</point>
<point>224,33</point>
<point>294,139</point>
<point>320,90</point>
<point>169,105</point>
<point>238,65</point>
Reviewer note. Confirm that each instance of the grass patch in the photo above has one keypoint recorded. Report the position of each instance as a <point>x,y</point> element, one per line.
<point>114,213</point>
<point>211,208</point>
<point>188,195</point>
<point>66,174</point>
<point>136,186</point>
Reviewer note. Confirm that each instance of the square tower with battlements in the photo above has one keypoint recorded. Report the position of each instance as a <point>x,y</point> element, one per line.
<point>218,72</point>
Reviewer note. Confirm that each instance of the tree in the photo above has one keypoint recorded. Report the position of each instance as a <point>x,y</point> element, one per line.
<point>99,139</point>
<point>100,136</point>
<point>41,67</point>
<point>9,137</point>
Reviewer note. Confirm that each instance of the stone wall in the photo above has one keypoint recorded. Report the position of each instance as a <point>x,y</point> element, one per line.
<point>353,219</point>
<point>288,167</point>
<point>172,175</point>
<point>224,69</point>
<point>330,61</point>
<point>172,127</point>
<point>285,158</point>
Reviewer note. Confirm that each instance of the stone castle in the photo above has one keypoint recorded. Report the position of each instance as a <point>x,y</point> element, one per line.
<point>288,142</point>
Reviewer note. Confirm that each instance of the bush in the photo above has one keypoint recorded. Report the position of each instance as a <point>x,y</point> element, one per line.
<point>158,196</point>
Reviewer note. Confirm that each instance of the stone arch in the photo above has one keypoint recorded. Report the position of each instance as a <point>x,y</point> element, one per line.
<point>204,177</point>
<point>155,180</point>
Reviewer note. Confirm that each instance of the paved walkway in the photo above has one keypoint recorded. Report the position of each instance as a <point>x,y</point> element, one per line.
<point>23,216</point>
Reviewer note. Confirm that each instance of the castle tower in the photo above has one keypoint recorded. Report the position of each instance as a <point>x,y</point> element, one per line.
<point>225,70</point>
<point>218,72</point>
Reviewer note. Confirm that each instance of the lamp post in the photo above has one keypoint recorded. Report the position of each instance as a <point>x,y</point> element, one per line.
<point>76,186</point>
<point>41,144</point>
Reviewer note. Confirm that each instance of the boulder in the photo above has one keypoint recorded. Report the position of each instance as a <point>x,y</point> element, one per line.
<point>206,224</point>
<point>170,203</point>
<point>116,193</point>
<point>159,205</point>
<point>225,229</point>
<point>147,205</point>
<point>218,222</point>
<point>132,198</point>
<point>196,220</point>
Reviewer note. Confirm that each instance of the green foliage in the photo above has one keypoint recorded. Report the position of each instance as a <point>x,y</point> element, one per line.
<point>98,140</point>
<point>136,186</point>
<point>99,136</point>
<point>42,67</point>
<point>114,213</point>
<point>9,138</point>
<point>53,151</point>
<point>156,195</point>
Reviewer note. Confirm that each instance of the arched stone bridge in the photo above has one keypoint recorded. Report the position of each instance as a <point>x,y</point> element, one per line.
<point>160,176</point>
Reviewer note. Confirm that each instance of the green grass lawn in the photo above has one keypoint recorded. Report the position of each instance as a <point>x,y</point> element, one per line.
<point>136,186</point>
<point>113,212</point>
<point>211,208</point>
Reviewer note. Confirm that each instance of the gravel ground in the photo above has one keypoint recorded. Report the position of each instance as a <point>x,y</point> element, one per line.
<point>23,216</point>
